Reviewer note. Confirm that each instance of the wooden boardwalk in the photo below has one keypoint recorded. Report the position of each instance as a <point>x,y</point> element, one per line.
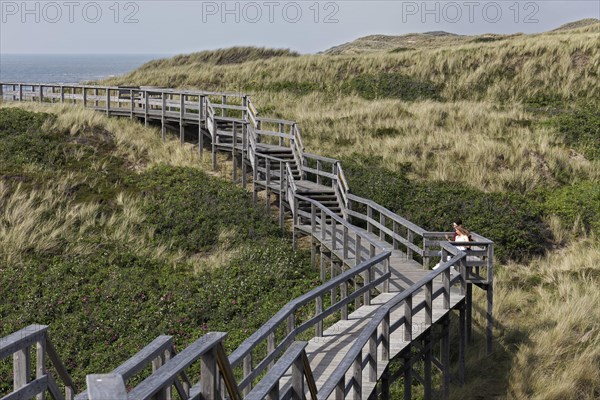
<point>326,352</point>
<point>378,297</point>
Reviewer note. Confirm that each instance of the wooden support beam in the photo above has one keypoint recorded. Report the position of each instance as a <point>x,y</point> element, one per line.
<point>407,373</point>
<point>21,367</point>
<point>469,312</point>
<point>427,389</point>
<point>163,111</point>
<point>181,115</point>
<point>247,367</point>
<point>461,343</point>
<point>40,362</point>
<point>445,350</point>
<point>208,374</point>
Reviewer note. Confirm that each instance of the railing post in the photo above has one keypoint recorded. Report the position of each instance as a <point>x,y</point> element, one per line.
<point>382,223</point>
<point>428,302</point>
<point>233,159</point>
<point>200,134</point>
<point>323,224</point>
<point>427,365</point>
<point>394,238</point>
<point>131,104</point>
<point>20,92</point>
<point>373,357</point>
<point>247,367</point>
<point>146,111</point>
<point>298,379</point>
<point>281,195</point>
<point>408,319</point>
<point>409,239</point>
<point>319,310</point>
<point>41,93</point>
<point>343,296</point>
<point>490,298</point>
<point>181,115</point>
<point>385,338</point>
<point>62,94</point>
<point>333,234</point>
<point>358,259</point>
<point>319,166</point>
<point>340,389</point>
<point>84,96</point>
<point>21,367</point>
<point>345,249</point>
<point>208,374</point>
<point>40,362</point>
<point>271,347</point>
<point>369,218</point>
<point>386,269</point>
<point>96,97</point>
<point>268,182</point>
<point>162,115</point>
<point>357,376</point>
<point>106,387</point>
<point>245,151</point>
<point>107,101</point>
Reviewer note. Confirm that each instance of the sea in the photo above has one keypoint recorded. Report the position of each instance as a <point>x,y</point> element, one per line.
<point>68,68</point>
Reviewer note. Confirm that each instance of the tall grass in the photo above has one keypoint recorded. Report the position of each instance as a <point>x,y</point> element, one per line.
<point>547,333</point>
<point>480,131</point>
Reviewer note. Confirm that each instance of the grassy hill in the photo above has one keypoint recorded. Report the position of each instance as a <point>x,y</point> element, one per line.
<point>112,238</point>
<point>503,133</point>
<point>502,130</point>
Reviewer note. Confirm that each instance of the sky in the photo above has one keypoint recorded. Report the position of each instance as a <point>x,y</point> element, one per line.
<point>306,26</point>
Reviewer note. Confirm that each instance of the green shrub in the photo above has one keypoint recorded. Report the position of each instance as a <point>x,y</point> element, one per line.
<point>514,222</point>
<point>578,202</point>
<point>103,308</point>
<point>189,207</point>
<point>581,129</point>
<point>391,85</point>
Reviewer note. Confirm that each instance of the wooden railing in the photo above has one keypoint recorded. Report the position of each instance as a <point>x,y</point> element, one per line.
<point>158,352</point>
<point>381,321</point>
<point>19,345</point>
<point>200,106</point>
<point>399,232</point>
<point>214,366</point>
<point>295,359</point>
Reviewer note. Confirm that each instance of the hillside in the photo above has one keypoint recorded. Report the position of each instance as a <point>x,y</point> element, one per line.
<point>112,238</point>
<point>436,39</point>
<point>503,132</point>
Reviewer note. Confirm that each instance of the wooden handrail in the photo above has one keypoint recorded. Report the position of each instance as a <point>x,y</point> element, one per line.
<point>295,358</point>
<point>18,344</point>
<point>371,328</point>
<point>140,360</point>
<point>166,375</point>
<point>282,315</point>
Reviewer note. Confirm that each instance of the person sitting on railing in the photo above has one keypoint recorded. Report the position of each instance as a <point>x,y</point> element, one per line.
<point>461,234</point>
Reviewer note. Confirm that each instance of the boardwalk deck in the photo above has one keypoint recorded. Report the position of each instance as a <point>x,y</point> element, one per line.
<point>326,352</point>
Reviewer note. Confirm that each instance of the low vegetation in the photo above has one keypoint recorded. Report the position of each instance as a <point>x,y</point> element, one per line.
<point>499,131</point>
<point>111,251</point>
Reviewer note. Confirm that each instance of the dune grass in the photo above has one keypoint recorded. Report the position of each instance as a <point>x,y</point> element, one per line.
<point>547,331</point>
<point>497,118</point>
<point>474,113</point>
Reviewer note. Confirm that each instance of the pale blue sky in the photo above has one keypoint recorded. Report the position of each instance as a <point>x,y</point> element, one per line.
<point>174,27</point>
